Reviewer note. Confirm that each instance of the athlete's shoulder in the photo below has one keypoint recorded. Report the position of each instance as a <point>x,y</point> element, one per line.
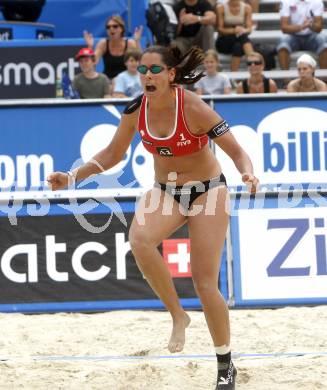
<point>193,102</point>
<point>133,105</point>
<point>198,114</point>
<point>190,96</point>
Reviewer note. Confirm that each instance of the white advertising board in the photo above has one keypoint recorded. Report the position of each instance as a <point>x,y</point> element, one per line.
<point>280,255</point>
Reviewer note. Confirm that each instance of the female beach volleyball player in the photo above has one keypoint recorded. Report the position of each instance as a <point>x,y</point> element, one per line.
<point>175,126</point>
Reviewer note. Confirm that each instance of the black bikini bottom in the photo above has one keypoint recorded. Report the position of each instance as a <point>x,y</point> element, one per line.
<point>186,194</point>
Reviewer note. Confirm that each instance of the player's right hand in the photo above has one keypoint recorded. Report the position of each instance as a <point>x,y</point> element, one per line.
<point>58,180</point>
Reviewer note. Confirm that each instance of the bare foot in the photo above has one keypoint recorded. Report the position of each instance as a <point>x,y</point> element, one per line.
<point>177,338</point>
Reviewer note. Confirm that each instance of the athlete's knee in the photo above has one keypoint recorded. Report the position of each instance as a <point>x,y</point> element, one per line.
<point>139,241</point>
<point>135,239</point>
<point>206,289</point>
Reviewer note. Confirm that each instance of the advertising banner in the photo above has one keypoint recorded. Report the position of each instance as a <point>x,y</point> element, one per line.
<point>25,30</point>
<point>279,251</point>
<point>286,138</point>
<point>6,33</point>
<point>31,71</point>
<point>68,256</point>
<point>43,139</point>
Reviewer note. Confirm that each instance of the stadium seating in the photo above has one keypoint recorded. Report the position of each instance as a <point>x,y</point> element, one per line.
<point>267,32</point>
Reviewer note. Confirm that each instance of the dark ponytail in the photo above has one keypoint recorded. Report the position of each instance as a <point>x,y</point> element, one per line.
<point>186,65</point>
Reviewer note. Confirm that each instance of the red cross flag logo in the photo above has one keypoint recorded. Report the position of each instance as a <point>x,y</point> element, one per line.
<point>176,253</point>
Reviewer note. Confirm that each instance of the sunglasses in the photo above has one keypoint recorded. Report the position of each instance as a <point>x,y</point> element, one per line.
<point>154,69</point>
<point>112,26</point>
<point>254,62</point>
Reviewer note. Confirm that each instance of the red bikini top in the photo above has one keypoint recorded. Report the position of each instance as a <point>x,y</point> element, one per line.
<point>180,142</point>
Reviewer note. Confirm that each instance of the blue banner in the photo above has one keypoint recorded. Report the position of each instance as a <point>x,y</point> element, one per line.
<point>285,136</point>
<point>59,136</point>
<point>286,139</point>
<point>12,30</point>
<point>71,18</point>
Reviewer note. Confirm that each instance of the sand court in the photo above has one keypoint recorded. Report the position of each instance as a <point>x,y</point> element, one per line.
<point>284,349</point>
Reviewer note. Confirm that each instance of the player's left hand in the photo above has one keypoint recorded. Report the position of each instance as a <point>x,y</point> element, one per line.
<point>251,182</point>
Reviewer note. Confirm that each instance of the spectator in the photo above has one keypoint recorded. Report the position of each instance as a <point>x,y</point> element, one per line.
<point>301,23</point>
<point>234,24</point>
<point>128,83</point>
<point>90,84</point>
<point>306,82</point>
<point>253,3</point>
<point>257,82</point>
<point>113,48</point>
<point>196,20</point>
<point>162,22</point>
<point>213,83</point>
